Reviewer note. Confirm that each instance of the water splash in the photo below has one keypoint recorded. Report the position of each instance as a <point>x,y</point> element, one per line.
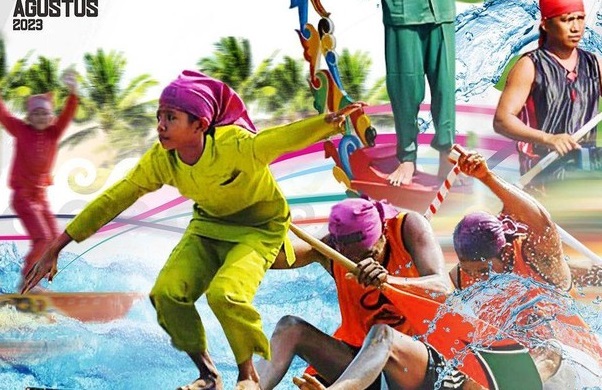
<point>487,37</point>
<point>526,311</point>
<point>135,352</point>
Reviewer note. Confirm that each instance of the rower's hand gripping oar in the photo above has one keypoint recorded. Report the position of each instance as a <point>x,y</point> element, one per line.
<point>410,304</point>
<point>453,332</point>
<point>553,156</point>
<point>543,164</point>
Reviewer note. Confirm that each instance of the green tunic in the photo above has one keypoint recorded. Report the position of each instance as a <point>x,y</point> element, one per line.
<point>408,12</point>
<point>240,222</point>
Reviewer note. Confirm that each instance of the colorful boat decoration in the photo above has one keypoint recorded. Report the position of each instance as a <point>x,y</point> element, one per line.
<point>362,165</point>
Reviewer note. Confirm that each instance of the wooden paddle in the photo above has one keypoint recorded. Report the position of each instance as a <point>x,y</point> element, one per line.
<point>553,156</point>
<point>453,331</point>
<point>543,164</point>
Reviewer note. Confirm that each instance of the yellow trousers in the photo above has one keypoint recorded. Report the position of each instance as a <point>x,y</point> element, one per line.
<point>229,273</point>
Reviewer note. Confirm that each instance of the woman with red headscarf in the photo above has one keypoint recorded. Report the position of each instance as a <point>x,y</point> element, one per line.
<point>209,151</point>
<point>552,91</point>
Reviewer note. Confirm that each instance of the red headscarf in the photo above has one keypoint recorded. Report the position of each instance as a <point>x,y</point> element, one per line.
<point>552,8</point>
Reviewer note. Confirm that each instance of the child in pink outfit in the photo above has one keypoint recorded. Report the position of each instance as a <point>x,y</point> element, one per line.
<point>36,145</point>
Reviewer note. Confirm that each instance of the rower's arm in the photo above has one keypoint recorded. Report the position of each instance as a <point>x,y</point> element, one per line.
<point>422,245</point>
<point>518,86</point>
<point>542,247</point>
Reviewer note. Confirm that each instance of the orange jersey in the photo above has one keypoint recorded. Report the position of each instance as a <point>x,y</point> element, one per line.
<point>361,307</point>
<point>544,314</point>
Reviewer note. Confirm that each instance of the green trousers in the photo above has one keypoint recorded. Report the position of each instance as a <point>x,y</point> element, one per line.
<point>229,274</point>
<point>411,52</point>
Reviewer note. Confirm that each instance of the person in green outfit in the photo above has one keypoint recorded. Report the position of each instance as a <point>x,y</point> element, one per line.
<point>207,149</point>
<point>419,41</point>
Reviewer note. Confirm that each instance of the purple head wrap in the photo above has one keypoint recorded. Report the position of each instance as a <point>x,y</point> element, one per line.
<point>202,96</point>
<point>359,220</point>
<point>481,235</point>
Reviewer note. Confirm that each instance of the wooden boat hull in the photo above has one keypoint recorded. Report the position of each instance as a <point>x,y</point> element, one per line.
<point>370,167</point>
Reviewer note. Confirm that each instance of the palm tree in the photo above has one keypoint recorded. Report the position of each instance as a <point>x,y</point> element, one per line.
<point>13,86</point>
<point>3,65</point>
<point>354,69</point>
<point>231,61</point>
<point>120,114</point>
<point>43,76</point>
<point>286,92</point>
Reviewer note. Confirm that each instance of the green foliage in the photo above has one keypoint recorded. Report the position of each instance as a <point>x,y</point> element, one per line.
<point>3,66</point>
<point>281,89</point>
<point>354,69</point>
<point>121,112</point>
<point>231,61</point>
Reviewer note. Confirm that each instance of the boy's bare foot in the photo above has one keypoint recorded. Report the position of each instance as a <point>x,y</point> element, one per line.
<point>209,383</point>
<point>308,382</point>
<point>403,174</point>
<point>247,384</point>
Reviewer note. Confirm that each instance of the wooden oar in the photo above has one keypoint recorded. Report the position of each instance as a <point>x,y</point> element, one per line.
<point>553,156</point>
<point>454,155</point>
<point>453,332</point>
<point>543,164</point>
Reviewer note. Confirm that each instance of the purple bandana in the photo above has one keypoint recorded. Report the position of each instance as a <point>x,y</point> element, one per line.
<point>481,235</point>
<point>39,101</point>
<point>359,220</point>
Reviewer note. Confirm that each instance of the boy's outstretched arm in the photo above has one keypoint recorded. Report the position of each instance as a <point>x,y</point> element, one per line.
<point>96,214</point>
<point>10,122</point>
<point>272,143</point>
<point>46,266</point>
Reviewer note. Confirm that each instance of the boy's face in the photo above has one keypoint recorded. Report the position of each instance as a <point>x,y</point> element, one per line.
<point>174,129</point>
<point>40,118</point>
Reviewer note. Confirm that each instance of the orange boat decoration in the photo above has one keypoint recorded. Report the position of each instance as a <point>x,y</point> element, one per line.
<point>82,306</point>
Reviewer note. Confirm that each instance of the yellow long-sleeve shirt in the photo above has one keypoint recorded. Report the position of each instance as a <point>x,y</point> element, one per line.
<point>236,197</point>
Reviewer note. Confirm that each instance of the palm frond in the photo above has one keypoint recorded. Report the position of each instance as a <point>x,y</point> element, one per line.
<point>79,137</point>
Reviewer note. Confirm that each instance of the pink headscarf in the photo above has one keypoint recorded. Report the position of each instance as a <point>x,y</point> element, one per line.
<point>39,101</point>
<point>202,96</point>
<point>359,220</point>
<point>552,8</point>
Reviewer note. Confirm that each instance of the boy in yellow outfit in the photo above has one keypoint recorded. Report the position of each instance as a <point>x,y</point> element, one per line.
<point>207,149</point>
